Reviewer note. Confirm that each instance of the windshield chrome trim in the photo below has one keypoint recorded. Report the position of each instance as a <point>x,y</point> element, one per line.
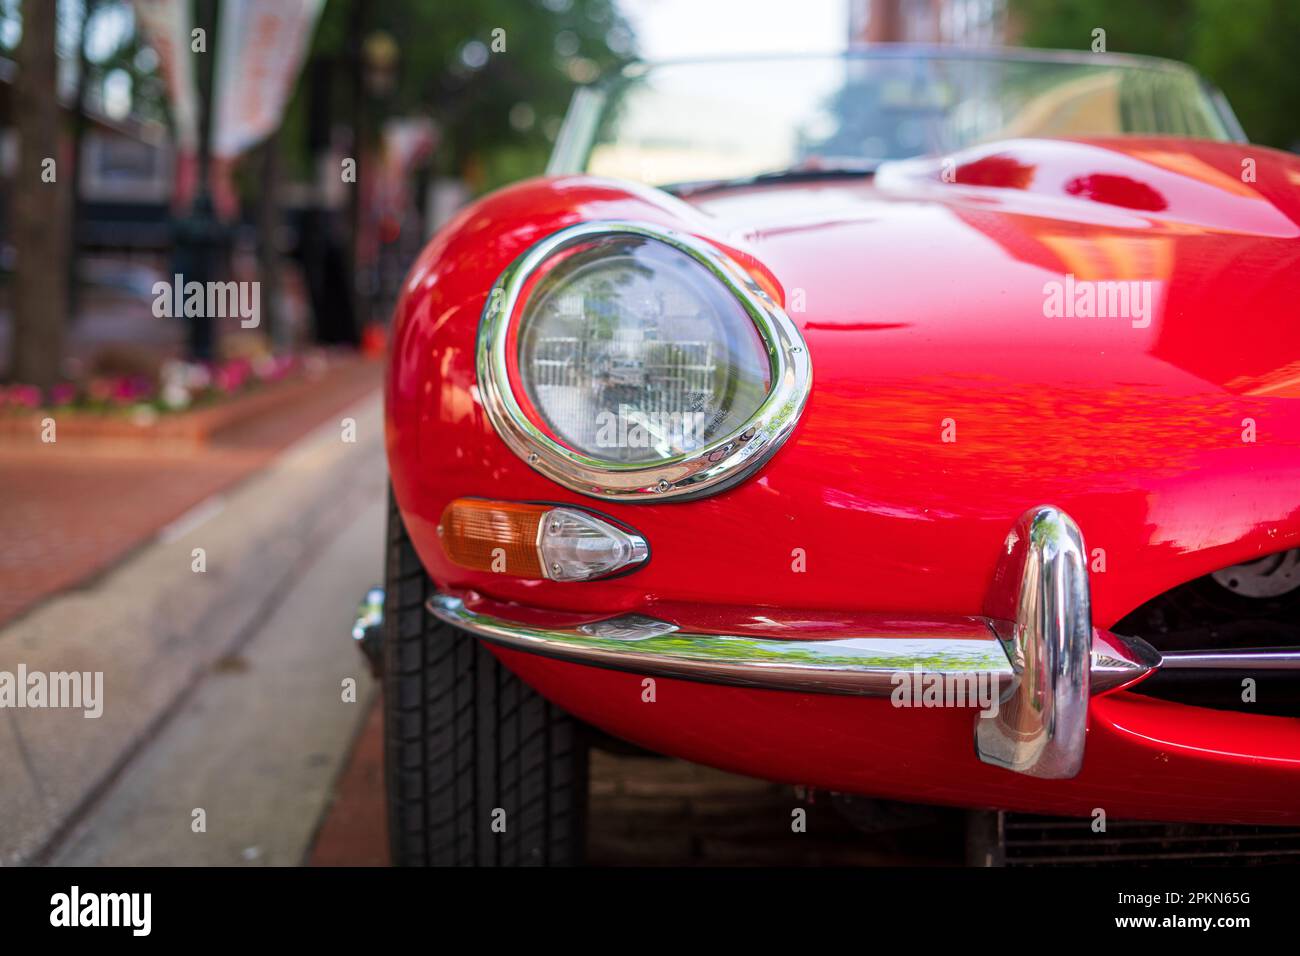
<point>913,51</point>
<point>720,464</point>
<point>578,129</point>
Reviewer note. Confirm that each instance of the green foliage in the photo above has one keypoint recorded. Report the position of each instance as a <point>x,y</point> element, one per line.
<point>448,69</point>
<point>1251,49</point>
<point>1151,27</point>
<point>1248,48</point>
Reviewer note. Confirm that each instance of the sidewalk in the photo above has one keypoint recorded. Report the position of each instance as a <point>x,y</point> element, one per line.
<point>72,509</point>
<point>259,741</point>
<point>157,630</point>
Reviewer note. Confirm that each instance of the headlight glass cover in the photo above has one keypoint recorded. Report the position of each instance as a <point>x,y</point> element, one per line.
<point>631,351</point>
<point>627,361</point>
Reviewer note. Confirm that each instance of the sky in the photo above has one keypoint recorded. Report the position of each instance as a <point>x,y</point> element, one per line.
<point>668,29</point>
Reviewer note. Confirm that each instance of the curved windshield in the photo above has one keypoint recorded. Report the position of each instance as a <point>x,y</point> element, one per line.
<point>731,120</point>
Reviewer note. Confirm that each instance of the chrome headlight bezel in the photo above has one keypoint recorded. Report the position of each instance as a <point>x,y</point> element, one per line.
<point>718,465</point>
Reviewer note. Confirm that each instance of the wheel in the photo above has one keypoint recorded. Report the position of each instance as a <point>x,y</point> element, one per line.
<point>480,769</point>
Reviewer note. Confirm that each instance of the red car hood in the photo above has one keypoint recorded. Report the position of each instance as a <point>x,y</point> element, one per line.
<point>953,378</point>
<point>909,261</point>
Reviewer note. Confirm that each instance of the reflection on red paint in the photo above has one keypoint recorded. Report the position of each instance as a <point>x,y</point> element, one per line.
<point>1116,191</point>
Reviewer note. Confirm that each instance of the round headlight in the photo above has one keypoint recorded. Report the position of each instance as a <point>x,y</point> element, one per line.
<point>626,361</point>
<point>631,352</point>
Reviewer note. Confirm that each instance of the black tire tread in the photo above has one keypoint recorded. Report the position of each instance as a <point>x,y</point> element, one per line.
<point>464,736</point>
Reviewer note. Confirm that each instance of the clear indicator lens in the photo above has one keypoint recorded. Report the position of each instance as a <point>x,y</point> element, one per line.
<point>575,546</point>
<point>631,351</point>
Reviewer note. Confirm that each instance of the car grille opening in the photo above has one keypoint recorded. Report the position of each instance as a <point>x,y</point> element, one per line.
<point>1023,839</point>
<point>1248,606</point>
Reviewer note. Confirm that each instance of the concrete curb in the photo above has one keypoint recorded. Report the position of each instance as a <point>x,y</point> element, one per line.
<point>154,626</point>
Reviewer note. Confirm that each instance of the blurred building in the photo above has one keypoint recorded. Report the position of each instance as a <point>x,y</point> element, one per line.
<point>956,22</point>
<point>125,178</point>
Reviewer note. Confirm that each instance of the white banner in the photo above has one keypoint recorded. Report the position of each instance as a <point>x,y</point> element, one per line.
<point>261,48</point>
<point>166,28</point>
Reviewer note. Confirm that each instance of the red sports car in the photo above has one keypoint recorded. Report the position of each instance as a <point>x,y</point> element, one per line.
<point>911,423</point>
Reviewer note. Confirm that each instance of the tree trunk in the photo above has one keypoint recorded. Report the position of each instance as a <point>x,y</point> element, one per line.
<point>76,211</point>
<point>40,206</point>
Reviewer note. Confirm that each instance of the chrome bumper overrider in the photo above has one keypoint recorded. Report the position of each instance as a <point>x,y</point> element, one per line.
<point>1035,641</point>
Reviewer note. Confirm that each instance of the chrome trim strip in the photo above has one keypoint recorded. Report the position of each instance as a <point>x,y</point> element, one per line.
<point>863,665</point>
<point>718,465</point>
<point>1261,659</point>
<point>867,663</point>
<point>1039,729</point>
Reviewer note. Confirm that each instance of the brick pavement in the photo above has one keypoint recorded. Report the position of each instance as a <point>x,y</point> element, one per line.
<point>648,811</point>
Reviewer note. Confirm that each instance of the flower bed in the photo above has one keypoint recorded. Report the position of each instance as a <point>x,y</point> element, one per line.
<point>188,403</point>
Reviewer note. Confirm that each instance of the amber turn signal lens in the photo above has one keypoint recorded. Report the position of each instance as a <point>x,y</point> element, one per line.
<point>536,541</point>
<point>495,536</point>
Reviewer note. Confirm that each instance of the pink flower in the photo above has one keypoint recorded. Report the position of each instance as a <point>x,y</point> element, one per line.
<point>28,396</point>
<point>233,375</point>
<point>63,393</point>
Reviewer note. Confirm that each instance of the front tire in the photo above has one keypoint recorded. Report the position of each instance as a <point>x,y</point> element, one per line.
<point>480,769</point>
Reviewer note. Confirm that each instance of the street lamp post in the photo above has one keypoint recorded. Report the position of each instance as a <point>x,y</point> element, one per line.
<point>201,238</point>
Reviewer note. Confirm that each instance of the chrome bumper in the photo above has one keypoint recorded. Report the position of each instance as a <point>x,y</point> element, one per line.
<point>368,629</point>
<point>1035,641</point>
<point>864,663</point>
